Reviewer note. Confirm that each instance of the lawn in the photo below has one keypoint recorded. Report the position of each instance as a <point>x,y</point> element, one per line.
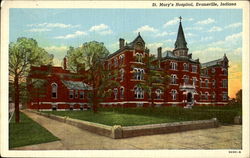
<point>142,116</point>
<point>27,132</point>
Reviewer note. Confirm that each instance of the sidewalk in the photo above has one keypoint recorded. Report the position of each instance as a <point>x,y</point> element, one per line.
<point>73,138</point>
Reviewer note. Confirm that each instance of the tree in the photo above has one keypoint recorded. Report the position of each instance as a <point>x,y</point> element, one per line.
<point>93,55</point>
<point>239,96</point>
<point>155,77</point>
<point>24,53</point>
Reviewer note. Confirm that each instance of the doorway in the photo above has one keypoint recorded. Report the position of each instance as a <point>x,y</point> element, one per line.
<point>189,97</point>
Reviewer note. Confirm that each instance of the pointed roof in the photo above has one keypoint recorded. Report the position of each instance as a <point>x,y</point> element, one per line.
<point>180,41</point>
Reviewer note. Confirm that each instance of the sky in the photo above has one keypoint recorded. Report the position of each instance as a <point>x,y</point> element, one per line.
<point>210,33</point>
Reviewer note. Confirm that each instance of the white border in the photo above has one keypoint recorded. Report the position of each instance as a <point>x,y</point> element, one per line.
<point>115,153</point>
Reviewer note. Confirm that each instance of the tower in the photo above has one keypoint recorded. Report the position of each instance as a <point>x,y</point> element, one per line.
<point>180,43</point>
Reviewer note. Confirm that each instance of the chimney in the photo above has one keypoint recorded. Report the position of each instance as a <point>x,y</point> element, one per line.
<point>64,63</point>
<point>159,53</point>
<point>121,42</point>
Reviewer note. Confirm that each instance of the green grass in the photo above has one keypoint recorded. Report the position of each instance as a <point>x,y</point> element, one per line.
<point>142,116</point>
<point>27,132</point>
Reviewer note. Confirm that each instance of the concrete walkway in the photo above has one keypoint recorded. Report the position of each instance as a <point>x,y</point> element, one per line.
<point>224,137</point>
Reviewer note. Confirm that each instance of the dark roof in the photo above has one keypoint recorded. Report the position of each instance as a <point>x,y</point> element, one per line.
<point>128,46</point>
<point>180,41</point>
<point>76,85</point>
<point>214,62</point>
<point>170,55</point>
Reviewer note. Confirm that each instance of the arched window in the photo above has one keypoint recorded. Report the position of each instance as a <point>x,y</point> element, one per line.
<point>186,79</point>
<point>206,95</point>
<point>173,93</point>
<point>158,93</point>
<point>206,82</point>
<point>173,79</point>
<point>122,74</point>
<point>185,65</point>
<point>138,74</point>
<point>121,58</point>
<point>122,92</point>
<point>53,90</point>
<point>194,81</point>
<point>115,93</point>
<point>138,57</point>
<point>138,92</point>
<point>213,83</point>
<point>115,62</point>
<point>173,65</point>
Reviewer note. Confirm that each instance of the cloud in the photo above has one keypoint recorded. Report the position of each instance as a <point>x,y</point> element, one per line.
<point>39,30</point>
<point>215,29</point>
<point>230,40</point>
<point>190,34</point>
<point>162,34</point>
<point>234,25</point>
<point>101,29</point>
<point>145,28</point>
<point>74,35</point>
<point>153,47</point>
<point>53,25</point>
<point>56,48</point>
<point>59,52</point>
<point>206,38</point>
<point>171,22</point>
<point>207,21</point>
<point>57,62</point>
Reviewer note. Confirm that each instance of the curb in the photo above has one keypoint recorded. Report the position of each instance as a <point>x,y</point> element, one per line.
<point>118,132</point>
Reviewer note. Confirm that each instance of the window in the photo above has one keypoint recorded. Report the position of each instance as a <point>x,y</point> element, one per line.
<point>81,95</point>
<point>138,92</point>
<point>76,93</point>
<point>213,83</point>
<point>138,74</point>
<point>54,90</point>
<point>201,83</point>
<point>173,65</point>
<point>206,95</point>
<point>138,57</point>
<point>71,94</point>
<point>206,82</point>
<point>186,79</point>
<point>121,58</point>
<point>224,83</point>
<point>115,62</point>
<point>194,68</point>
<point>173,79</point>
<point>194,81</point>
<point>224,96</point>
<point>109,65</point>
<point>173,93</point>
<point>122,92</point>
<point>115,93</point>
<point>205,72</point>
<point>185,67</point>
<point>158,93</point>
<point>224,71</point>
<point>122,74</point>
<point>213,70</point>
<point>213,96</point>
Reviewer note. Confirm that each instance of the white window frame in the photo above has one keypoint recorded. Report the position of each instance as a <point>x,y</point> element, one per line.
<point>71,94</point>
<point>173,79</point>
<point>174,93</point>
<point>81,94</point>
<point>54,89</point>
<point>194,68</point>
<point>122,92</point>
<point>185,67</point>
<point>158,93</point>
<point>115,93</point>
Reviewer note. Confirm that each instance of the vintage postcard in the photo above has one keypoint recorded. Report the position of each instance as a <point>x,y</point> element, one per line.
<point>125,79</point>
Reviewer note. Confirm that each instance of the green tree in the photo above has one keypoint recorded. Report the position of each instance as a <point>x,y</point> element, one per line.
<point>239,96</point>
<point>155,77</point>
<point>93,55</point>
<point>24,53</point>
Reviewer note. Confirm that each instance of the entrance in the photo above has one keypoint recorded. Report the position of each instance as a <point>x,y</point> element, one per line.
<point>189,97</point>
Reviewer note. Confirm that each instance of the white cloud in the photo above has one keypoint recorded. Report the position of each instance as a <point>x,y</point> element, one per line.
<point>230,40</point>
<point>190,34</point>
<point>234,25</point>
<point>153,47</point>
<point>165,34</point>
<point>39,30</point>
<point>53,25</point>
<point>215,29</point>
<point>171,22</point>
<point>56,48</point>
<point>59,52</point>
<point>207,21</point>
<point>206,38</point>
<point>106,32</point>
<point>74,35</point>
<point>57,62</point>
<point>145,28</point>
<point>99,27</point>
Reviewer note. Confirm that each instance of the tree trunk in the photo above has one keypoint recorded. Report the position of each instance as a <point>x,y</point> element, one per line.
<point>16,87</point>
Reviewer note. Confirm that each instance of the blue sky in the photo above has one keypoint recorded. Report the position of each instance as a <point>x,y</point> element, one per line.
<point>209,32</point>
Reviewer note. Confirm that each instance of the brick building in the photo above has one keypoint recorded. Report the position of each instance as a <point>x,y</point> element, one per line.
<point>191,82</point>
